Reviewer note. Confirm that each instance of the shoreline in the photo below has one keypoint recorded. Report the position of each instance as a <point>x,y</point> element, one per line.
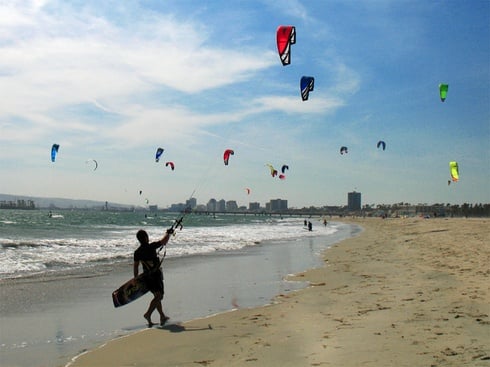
<point>405,292</point>
<point>62,315</point>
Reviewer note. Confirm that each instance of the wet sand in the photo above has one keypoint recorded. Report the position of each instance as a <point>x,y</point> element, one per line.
<point>46,320</point>
<point>406,292</point>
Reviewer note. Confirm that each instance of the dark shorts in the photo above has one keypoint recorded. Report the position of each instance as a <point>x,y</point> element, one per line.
<point>154,281</point>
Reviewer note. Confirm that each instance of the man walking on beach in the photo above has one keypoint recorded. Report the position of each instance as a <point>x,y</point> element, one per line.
<point>146,254</point>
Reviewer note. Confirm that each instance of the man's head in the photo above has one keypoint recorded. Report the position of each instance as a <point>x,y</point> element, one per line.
<point>142,236</point>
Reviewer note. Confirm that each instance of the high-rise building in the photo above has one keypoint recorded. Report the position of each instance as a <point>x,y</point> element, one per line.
<point>278,205</point>
<point>221,205</point>
<point>211,206</point>
<point>354,200</point>
<point>191,203</point>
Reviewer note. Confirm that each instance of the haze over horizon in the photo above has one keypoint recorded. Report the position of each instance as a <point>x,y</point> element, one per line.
<point>114,81</point>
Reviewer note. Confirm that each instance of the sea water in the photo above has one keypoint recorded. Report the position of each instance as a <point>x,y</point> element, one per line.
<point>37,241</point>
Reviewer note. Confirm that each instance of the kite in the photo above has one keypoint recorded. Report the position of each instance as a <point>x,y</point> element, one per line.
<point>443,91</point>
<point>285,37</point>
<point>54,151</point>
<point>158,154</point>
<point>306,85</point>
<point>226,155</point>
<point>92,160</point>
<point>381,144</point>
<point>247,190</point>
<point>171,164</point>
<point>343,150</point>
<point>282,177</point>
<point>284,168</point>
<point>453,168</point>
<point>273,171</point>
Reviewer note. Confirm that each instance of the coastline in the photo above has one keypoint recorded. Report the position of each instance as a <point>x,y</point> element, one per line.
<point>47,319</point>
<point>405,292</point>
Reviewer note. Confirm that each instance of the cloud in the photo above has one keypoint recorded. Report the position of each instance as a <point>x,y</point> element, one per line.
<point>50,61</point>
<point>291,105</point>
<point>293,8</point>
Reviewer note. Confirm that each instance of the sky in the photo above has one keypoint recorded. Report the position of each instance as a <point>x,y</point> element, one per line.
<point>115,80</point>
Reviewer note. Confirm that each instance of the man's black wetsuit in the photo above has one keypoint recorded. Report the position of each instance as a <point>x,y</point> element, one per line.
<point>147,255</point>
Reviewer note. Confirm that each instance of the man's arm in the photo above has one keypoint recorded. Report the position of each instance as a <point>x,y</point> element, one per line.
<point>165,238</point>
<point>136,268</point>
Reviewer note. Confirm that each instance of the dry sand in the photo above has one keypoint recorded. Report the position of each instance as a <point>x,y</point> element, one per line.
<point>406,292</point>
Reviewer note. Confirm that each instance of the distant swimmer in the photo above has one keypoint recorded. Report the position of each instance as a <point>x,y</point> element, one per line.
<point>146,255</point>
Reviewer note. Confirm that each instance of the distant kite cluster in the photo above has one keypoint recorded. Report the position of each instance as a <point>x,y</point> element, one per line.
<point>158,154</point>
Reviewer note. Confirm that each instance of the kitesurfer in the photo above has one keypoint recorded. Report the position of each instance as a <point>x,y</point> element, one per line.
<point>146,255</point>
<point>310,226</point>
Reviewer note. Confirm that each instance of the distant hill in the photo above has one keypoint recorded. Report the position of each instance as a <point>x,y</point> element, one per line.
<point>61,203</point>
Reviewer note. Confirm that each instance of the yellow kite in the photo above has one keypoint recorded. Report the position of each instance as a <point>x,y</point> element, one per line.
<point>453,168</point>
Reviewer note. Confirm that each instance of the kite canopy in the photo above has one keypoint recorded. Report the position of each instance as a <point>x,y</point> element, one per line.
<point>226,155</point>
<point>158,154</point>
<point>453,168</point>
<point>284,168</point>
<point>171,164</point>
<point>285,37</point>
<point>247,190</point>
<point>443,91</point>
<point>92,160</point>
<point>343,150</point>
<point>381,143</point>
<point>54,151</point>
<point>272,169</point>
<point>306,85</point>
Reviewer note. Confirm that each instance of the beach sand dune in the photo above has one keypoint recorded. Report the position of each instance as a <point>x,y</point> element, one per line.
<point>406,292</point>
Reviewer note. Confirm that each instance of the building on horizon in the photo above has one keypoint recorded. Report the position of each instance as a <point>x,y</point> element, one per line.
<point>276,205</point>
<point>153,208</point>
<point>180,207</point>
<point>211,205</point>
<point>354,200</point>
<point>191,203</point>
<point>19,204</point>
<point>221,206</point>
<point>231,206</point>
<point>254,206</point>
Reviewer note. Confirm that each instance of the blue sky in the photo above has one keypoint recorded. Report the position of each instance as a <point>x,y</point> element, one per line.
<point>114,82</point>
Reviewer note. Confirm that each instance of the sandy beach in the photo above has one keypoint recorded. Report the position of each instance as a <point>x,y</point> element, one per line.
<point>406,292</point>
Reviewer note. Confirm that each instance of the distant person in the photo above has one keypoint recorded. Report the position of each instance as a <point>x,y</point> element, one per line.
<point>146,255</point>
<point>325,222</point>
<point>306,223</point>
<point>310,226</point>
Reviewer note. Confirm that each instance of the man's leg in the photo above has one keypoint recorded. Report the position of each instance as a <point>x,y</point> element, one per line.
<point>156,303</point>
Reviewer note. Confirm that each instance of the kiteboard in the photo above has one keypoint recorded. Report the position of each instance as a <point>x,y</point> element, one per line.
<point>130,291</point>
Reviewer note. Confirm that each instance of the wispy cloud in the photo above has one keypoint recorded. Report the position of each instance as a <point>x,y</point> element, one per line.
<point>46,68</point>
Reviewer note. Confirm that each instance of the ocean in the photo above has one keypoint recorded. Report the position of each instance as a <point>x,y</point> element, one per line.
<point>58,270</point>
<point>40,241</point>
